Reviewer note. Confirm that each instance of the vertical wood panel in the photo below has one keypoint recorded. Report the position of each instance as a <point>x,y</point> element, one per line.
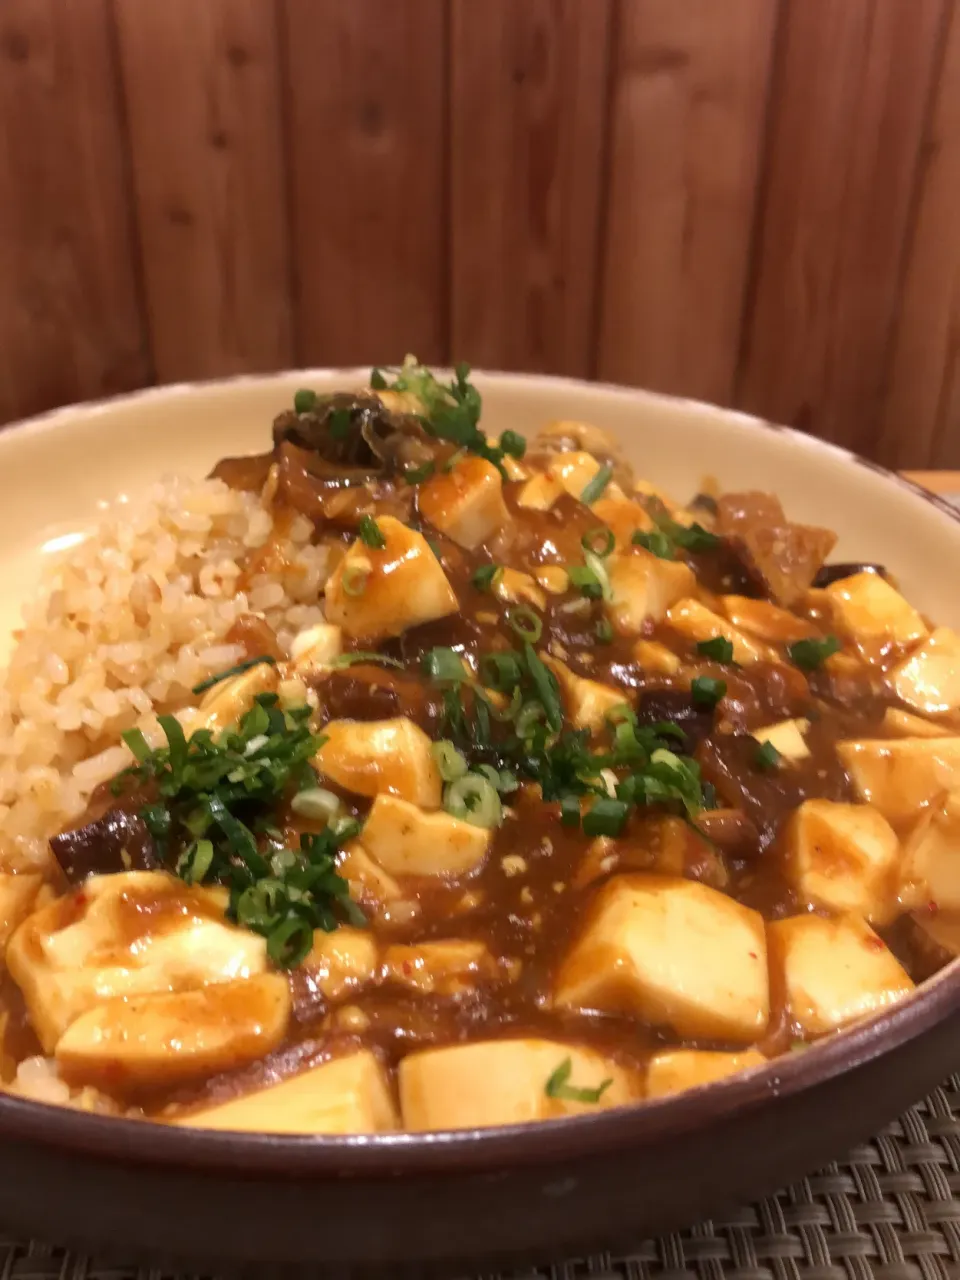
<point>922,408</point>
<point>366,103</point>
<point>70,326</point>
<point>850,103</point>
<point>688,110</point>
<point>528,113</point>
<point>203,99</point>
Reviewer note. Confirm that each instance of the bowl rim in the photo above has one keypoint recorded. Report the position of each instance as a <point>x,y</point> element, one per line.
<point>481,1149</point>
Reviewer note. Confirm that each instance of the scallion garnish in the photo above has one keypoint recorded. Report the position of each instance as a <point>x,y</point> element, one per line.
<point>718,648</point>
<point>513,443</point>
<point>450,763</point>
<point>600,541</point>
<point>767,756</point>
<point>364,655</point>
<point>585,580</point>
<point>473,798</point>
<point>525,623</point>
<point>604,631</point>
<point>656,542</point>
<point>594,487</point>
<point>559,1086</point>
<point>706,691</point>
<point>606,817</point>
<point>354,579</point>
<point>237,670</point>
<point>304,400</point>
<point>486,576</point>
<point>442,663</point>
<point>810,654</point>
<point>370,533</point>
<point>416,475</point>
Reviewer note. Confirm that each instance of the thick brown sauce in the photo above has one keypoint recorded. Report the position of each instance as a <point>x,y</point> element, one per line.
<point>530,899</point>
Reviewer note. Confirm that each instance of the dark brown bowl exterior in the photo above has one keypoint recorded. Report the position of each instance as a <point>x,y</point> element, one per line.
<point>441,1204</point>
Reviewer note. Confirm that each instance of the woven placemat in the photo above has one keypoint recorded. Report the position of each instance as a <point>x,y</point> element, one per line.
<point>890,1211</point>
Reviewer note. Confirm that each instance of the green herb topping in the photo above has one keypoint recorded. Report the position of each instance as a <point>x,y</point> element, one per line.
<point>261,658</point>
<point>706,691</point>
<point>719,648</point>
<point>594,487</point>
<point>559,1086</point>
<point>370,533</point>
<point>767,756</point>
<point>810,654</point>
<point>487,576</point>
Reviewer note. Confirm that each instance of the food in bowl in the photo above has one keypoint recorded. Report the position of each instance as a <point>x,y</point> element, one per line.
<point>404,778</point>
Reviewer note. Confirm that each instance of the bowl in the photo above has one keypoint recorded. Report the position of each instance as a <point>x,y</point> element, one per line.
<point>443,1203</point>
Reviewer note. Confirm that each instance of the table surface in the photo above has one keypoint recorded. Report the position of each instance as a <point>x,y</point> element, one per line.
<point>890,1210</point>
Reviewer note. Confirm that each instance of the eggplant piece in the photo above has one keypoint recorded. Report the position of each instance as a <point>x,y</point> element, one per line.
<point>678,708</point>
<point>354,433</point>
<point>830,573</point>
<point>119,841</point>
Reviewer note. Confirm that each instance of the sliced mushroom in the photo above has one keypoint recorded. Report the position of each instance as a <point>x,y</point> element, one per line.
<point>119,841</point>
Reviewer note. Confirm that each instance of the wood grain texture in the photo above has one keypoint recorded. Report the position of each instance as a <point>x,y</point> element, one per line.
<point>527,122</point>
<point>366,104</point>
<point>203,101</point>
<point>689,95</point>
<point>851,94</point>
<point>921,419</point>
<point>70,324</point>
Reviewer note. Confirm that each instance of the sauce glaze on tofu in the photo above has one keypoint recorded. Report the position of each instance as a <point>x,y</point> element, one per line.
<point>578,796</point>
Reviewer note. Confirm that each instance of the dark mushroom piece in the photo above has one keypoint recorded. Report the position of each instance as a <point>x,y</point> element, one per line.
<point>356,435</point>
<point>119,841</point>
<point>829,573</point>
<point>676,706</point>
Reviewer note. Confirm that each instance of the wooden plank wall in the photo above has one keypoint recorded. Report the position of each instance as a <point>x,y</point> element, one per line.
<point>756,202</point>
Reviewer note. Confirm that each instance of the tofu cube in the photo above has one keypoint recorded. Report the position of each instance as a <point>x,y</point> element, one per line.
<point>378,592</point>
<point>929,678</point>
<point>931,858</point>
<point>843,856</point>
<point>654,656</point>
<point>539,493</point>
<point>829,973</point>
<point>587,702</point>
<point>339,964</point>
<point>622,517</point>
<point>899,776</point>
<point>347,1095</point>
<point>786,737</point>
<point>696,622</point>
<point>17,895</point>
<point>680,1069</point>
<point>368,882</point>
<point>164,1039</point>
<point>494,1082</point>
<point>766,621</point>
<point>466,502</point>
<point>904,724</point>
<point>227,702</point>
<point>381,757</point>
<point>316,648</point>
<point>673,952</point>
<point>450,967</point>
<point>124,935</point>
<point>515,587</point>
<point>553,578</point>
<point>866,607</point>
<point>405,841</point>
<point>573,471</point>
<point>643,588</point>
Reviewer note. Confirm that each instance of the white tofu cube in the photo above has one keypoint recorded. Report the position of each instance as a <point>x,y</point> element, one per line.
<point>164,1039</point>
<point>347,1095</point>
<point>695,621</point>
<point>680,1069</point>
<point>539,493</point>
<point>931,858</point>
<point>832,972</point>
<point>515,587</point>
<point>866,607</point>
<point>128,934</point>
<point>623,518</point>
<point>587,702</point>
<point>573,470</point>
<point>843,856</point>
<point>766,621</point>
<point>786,737</point>
<point>316,648</point>
<point>654,656</point>
<point>899,776</point>
<point>674,952</point>
<point>929,678</point>
<point>338,964</point>
<point>466,502</point>
<point>378,592</point>
<point>381,757</point>
<point>405,841</point>
<point>904,724</point>
<point>368,882</point>
<point>223,705</point>
<point>643,588</point>
<point>494,1082</point>
<point>447,967</point>
<point>17,895</point>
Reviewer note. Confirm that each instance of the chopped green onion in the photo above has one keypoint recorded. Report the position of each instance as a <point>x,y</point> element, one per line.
<point>195,862</point>
<point>767,756</point>
<point>290,942</point>
<point>558,1086</point>
<point>204,685</point>
<point>604,631</point>
<point>137,743</point>
<point>354,580</point>
<point>450,763</point>
<point>706,691</point>
<point>656,542</point>
<point>595,487</point>
<point>415,475</point>
<point>263,905</point>
<point>570,810</point>
<point>599,570</point>
<point>525,623</point>
<point>304,400</point>
<point>693,537</point>
<point>501,671</point>
<point>606,817</point>
<point>377,380</point>
<point>340,424</point>
<point>514,444</point>
<point>586,581</point>
<point>809,654</point>
<point>364,655</point>
<point>621,713</point>
<point>456,457</point>
<point>474,799</point>
<point>442,663</point>
<point>316,803</point>
<point>370,533</point>
<point>719,648</point>
<point>600,541</point>
<point>486,577</point>
<point>545,683</point>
